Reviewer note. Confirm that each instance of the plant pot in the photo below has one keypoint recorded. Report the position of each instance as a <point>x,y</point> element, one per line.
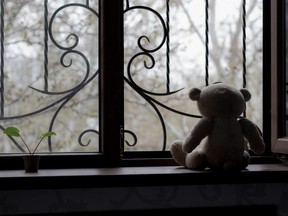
<point>31,163</point>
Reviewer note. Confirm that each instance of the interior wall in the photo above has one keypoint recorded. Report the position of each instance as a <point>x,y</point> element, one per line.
<point>133,198</point>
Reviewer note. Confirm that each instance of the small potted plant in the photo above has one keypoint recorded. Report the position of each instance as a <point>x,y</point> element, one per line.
<point>31,161</point>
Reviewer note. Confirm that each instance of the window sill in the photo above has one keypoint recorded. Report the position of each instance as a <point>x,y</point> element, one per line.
<point>137,176</point>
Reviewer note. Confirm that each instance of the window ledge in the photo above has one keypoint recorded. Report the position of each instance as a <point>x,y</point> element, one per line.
<point>138,176</point>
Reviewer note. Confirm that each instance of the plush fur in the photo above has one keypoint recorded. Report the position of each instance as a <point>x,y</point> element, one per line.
<point>222,137</point>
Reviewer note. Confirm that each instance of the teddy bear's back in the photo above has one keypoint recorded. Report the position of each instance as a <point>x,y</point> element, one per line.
<point>225,143</point>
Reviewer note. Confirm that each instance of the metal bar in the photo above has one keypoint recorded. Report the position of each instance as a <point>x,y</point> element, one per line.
<point>244,41</point>
<point>206,43</point>
<point>46,46</point>
<point>2,60</point>
<point>168,46</point>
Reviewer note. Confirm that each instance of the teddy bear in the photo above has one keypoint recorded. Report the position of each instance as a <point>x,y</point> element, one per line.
<point>222,138</point>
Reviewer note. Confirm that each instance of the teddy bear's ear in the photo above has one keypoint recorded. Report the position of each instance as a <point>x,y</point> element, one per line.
<point>194,94</point>
<point>246,94</point>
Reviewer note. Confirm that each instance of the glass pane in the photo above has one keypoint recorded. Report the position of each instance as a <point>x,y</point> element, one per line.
<point>165,57</point>
<point>49,73</point>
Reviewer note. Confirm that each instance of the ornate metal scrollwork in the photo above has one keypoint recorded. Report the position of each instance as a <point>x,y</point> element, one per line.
<point>65,95</point>
<point>149,54</point>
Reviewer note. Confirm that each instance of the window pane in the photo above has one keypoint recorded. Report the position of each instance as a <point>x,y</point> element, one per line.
<point>49,74</point>
<point>165,57</point>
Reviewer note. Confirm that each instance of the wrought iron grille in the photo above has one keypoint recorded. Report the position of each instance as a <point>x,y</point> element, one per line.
<point>197,43</point>
<point>49,62</point>
<point>49,72</point>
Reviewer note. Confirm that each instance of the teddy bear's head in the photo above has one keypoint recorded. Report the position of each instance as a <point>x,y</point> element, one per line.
<point>220,99</point>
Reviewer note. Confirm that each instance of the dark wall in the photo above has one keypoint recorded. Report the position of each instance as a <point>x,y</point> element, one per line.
<point>199,197</point>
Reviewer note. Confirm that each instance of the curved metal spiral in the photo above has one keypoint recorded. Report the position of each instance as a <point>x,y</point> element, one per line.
<point>148,53</point>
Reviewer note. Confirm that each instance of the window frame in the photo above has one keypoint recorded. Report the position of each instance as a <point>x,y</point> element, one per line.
<point>278,139</point>
<point>112,120</point>
<point>111,64</point>
<point>111,44</point>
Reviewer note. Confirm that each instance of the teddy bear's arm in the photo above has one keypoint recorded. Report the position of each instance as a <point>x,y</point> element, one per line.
<point>200,130</point>
<point>252,135</point>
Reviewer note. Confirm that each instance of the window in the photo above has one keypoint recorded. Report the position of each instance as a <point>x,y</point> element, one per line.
<point>108,132</point>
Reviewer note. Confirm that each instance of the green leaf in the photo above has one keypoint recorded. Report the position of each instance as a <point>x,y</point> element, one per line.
<point>47,134</point>
<point>12,131</point>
